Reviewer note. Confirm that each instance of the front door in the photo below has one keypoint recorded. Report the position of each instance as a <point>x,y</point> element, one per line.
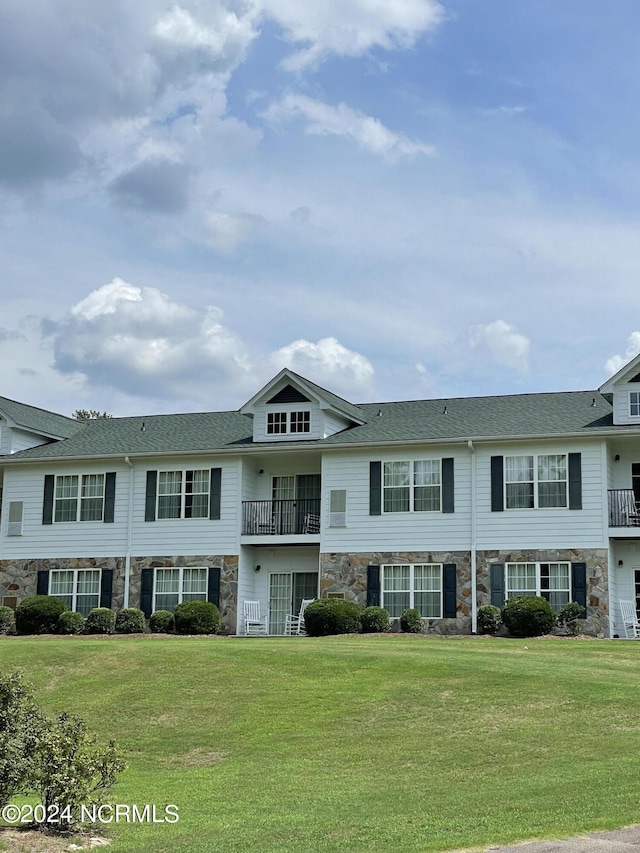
<point>286,591</point>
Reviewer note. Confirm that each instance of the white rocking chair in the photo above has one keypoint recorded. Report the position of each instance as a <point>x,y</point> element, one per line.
<point>254,623</point>
<point>630,619</point>
<point>294,625</point>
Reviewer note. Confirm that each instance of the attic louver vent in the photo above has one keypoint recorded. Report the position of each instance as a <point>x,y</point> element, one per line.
<point>289,394</point>
<point>635,378</point>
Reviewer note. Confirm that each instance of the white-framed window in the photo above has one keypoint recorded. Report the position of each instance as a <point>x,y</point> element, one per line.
<point>551,581</point>
<point>536,481</point>
<point>416,585</point>
<point>183,494</point>
<point>338,508</point>
<point>634,403</point>
<point>175,585</point>
<point>79,588</point>
<point>79,498</point>
<point>282,423</point>
<point>412,486</point>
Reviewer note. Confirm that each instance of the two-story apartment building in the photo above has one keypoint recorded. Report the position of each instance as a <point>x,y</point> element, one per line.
<point>443,505</point>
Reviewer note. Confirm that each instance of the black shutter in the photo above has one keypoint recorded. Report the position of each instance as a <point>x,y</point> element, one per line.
<point>497,584</point>
<point>146,592</point>
<point>450,608</point>
<point>106,586</point>
<point>497,483</point>
<point>373,586</point>
<point>213,586</point>
<point>447,485</point>
<point>215,493</point>
<point>575,481</point>
<point>109,496</point>
<point>43,583</point>
<point>47,504</point>
<point>150,499</point>
<point>579,584</point>
<point>375,488</point>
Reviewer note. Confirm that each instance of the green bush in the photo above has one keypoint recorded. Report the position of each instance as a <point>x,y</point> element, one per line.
<point>101,620</point>
<point>38,614</point>
<point>568,617</point>
<point>161,622</point>
<point>410,621</point>
<point>327,616</point>
<point>196,617</point>
<point>130,621</point>
<point>20,728</point>
<point>70,622</point>
<point>489,619</point>
<point>528,616</point>
<point>374,620</point>
<point>7,621</point>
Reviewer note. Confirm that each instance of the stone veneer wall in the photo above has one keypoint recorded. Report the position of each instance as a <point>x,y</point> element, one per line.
<point>227,564</point>
<point>20,577</point>
<point>347,573</point>
<point>597,622</point>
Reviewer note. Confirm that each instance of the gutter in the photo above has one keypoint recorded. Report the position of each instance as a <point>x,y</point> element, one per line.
<point>474,569</point>
<point>127,556</point>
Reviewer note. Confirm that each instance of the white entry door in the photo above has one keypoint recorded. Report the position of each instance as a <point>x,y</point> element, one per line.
<point>280,589</point>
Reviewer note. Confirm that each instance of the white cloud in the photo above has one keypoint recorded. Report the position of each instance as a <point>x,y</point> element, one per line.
<point>325,120</point>
<point>504,344</point>
<point>328,363</point>
<point>350,27</point>
<point>616,362</point>
<point>226,231</point>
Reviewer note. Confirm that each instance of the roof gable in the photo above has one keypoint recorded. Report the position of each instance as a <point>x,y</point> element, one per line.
<point>629,372</point>
<point>38,421</point>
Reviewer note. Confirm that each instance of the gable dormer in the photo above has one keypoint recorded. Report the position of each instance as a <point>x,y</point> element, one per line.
<point>625,388</point>
<point>290,408</point>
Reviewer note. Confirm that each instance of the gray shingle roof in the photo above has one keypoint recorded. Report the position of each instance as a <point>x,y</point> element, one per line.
<point>39,420</point>
<point>420,420</point>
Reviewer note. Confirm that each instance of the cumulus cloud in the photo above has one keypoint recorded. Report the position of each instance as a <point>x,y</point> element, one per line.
<point>226,231</point>
<point>503,343</point>
<point>154,185</point>
<point>616,362</point>
<point>140,341</point>
<point>329,363</point>
<point>325,120</point>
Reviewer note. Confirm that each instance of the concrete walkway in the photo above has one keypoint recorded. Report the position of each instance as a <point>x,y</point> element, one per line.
<point>614,841</point>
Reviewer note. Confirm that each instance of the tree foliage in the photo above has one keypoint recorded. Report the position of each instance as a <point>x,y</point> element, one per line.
<point>89,415</point>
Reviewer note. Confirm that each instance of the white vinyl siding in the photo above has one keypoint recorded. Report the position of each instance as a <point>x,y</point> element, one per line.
<point>418,586</point>
<point>78,588</point>
<point>274,422</point>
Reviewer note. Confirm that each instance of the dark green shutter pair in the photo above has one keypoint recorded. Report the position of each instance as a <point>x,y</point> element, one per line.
<point>375,487</point>
<point>106,586</point>
<point>575,482</point>
<point>215,494</point>
<point>578,584</point>
<point>449,605</point>
<point>109,497</point>
<point>146,589</point>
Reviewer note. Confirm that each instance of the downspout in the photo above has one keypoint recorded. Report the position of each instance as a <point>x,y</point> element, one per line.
<point>127,556</point>
<point>474,572</point>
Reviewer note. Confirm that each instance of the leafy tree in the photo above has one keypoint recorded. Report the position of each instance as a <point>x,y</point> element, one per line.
<point>89,415</point>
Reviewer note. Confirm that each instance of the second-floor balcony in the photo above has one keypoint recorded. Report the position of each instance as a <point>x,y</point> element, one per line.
<point>281,517</point>
<point>623,508</point>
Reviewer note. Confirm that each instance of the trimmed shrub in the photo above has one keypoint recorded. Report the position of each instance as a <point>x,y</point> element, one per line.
<point>38,614</point>
<point>161,622</point>
<point>410,621</point>
<point>70,622</point>
<point>489,619</point>
<point>7,621</point>
<point>101,620</point>
<point>568,618</point>
<point>528,616</point>
<point>21,725</point>
<point>130,620</point>
<point>196,617</point>
<point>327,616</point>
<point>374,620</point>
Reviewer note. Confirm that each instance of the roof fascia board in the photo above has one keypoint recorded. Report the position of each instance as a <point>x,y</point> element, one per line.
<point>16,425</point>
<point>608,386</point>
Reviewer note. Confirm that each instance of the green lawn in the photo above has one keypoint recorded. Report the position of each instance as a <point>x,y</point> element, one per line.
<point>372,744</point>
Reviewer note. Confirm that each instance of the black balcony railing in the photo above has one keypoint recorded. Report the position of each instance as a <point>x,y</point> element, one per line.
<point>278,518</point>
<point>623,509</point>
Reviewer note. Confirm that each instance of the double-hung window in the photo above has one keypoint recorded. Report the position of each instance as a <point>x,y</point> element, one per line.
<point>414,585</point>
<point>536,481</point>
<point>78,588</point>
<point>79,498</point>
<point>634,403</point>
<point>183,494</point>
<point>551,581</point>
<point>173,586</point>
<point>412,486</point>
<point>281,423</point>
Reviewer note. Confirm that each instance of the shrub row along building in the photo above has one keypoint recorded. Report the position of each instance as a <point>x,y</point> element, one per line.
<point>441,505</point>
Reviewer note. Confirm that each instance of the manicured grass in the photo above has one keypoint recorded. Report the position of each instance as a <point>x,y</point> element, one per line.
<point>368,744</point>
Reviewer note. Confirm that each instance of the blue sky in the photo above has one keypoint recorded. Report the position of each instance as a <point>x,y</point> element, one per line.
<point>397,200</point>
